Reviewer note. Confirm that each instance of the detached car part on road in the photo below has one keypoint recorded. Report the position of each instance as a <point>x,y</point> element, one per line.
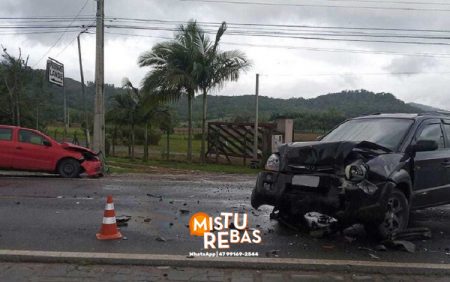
<point>30,150</point>
<point>371,170</point>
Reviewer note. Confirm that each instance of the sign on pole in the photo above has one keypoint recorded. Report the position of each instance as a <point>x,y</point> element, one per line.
<point>55,72</point>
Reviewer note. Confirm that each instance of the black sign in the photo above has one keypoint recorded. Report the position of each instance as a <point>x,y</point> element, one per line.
<point>55,72</point>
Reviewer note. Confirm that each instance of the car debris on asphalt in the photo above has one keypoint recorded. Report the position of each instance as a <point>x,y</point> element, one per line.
<point>154,196</point>
<point>160,239</point>
<point>122,220</point>
<point>183,211</point>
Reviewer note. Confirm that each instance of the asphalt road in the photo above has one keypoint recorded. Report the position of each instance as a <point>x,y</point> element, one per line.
<point>68,272</point>
<point>53,214</point>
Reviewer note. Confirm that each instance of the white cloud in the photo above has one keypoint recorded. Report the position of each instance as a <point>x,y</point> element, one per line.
<point>411,65</point>
<point>284,72</point>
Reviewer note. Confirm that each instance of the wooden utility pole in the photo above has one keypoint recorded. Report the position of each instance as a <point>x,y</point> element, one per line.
<point>255,139</point>
<point>65,113</point>
<point>83,90</point>
<point>99,112</point>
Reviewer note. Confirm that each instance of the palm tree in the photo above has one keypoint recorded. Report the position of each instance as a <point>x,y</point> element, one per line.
<point>151,112</point>
<point>189,64</point>
<point>171,78</point>
<point>212,67</point>
<point>122,115</point>
<point>133,102</point>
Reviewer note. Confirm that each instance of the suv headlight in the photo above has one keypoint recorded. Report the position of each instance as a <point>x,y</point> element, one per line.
<point>356,171</point>
<point>273,163</point>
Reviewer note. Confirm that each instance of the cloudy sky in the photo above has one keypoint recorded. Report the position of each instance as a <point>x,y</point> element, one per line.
<point>289,67</point>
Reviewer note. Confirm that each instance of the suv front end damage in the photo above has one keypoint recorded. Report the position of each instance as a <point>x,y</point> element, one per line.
<point>346,180</point>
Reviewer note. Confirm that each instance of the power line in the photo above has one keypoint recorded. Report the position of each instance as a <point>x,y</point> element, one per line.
<point>277,35</point>
<point>49,17</point>
<point>232,24</point>
<point>395,2</point>
<point>292,33</point>
<point>318,6</point>
<point>70,43</point>
<point>342,50</point>
<point>61,36</point>
<point>357,74</point>
<point>34,32</point>
<point>40,27</point>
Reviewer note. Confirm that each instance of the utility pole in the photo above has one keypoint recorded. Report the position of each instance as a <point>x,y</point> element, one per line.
<point>99,112</point>
<point>65,113</point>
<point>255,140</point>
<point>83,90</point>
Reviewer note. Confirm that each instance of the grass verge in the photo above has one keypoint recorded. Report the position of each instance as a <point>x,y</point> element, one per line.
<point>125,165</point>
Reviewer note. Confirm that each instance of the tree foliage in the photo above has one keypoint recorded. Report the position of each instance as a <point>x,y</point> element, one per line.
<point>14,72</point>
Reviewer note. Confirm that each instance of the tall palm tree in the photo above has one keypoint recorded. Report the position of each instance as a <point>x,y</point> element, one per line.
<point>189,64</point>
<point>170,77</point>
<point>212,67</point>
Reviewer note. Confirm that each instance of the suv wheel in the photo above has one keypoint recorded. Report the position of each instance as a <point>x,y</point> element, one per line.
<point>69,168</point>
<point>396,217</point>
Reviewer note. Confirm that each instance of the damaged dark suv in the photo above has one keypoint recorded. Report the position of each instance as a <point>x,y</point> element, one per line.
<point>371,170</point>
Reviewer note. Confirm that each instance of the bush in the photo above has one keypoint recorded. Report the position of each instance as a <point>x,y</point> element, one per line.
<point>154,137</point>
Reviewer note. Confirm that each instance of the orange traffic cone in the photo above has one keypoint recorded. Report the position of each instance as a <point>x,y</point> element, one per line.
<point>109,227</point>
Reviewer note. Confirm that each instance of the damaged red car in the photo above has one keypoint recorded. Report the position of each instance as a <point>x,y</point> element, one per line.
<point>31,150</point>
<point>371,170</point>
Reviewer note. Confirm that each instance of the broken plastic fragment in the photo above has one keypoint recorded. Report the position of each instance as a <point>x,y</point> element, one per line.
<point>182,211</point>
<point>122,220</point>
<point>160,239</point>
<point>316,220</point>
<point>400,244</point>
<point>154,196</point>
<point>419,233</point>
<point>374,256</point>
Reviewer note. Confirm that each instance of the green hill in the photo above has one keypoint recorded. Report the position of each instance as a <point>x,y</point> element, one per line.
<point>38,98</point>
<point>349,103</point>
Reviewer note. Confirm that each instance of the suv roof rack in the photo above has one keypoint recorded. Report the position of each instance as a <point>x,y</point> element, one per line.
<point>371,114</point>
<point>442,113</point>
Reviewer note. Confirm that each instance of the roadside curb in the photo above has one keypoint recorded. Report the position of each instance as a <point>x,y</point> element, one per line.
<point>223,262</point>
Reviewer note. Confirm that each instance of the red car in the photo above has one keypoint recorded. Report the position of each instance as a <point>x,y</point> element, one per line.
<point>30,150</point>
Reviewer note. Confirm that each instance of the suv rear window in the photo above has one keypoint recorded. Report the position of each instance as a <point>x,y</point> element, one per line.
<point>5,134</point>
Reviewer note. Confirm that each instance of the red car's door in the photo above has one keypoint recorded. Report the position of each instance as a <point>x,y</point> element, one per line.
<point>7,147</point>
<point>31,153</point>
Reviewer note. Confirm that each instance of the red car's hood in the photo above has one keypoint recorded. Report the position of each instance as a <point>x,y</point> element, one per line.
<point>73,147</point>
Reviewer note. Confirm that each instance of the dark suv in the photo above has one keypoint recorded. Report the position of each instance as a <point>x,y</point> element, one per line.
<point>372,170</point>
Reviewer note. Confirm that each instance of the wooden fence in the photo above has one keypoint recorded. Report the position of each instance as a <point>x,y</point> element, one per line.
<point>236,140</point>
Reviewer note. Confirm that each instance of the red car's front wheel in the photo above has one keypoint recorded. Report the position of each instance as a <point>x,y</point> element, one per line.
<point>69,168</point>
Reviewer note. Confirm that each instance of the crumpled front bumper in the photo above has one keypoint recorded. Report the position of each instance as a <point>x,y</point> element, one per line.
<point>346,201</point>
<point>92,167</point>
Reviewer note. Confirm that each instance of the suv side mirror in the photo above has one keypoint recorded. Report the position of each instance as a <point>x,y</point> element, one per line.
<point>425,145</point>
<point>47,143</point>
